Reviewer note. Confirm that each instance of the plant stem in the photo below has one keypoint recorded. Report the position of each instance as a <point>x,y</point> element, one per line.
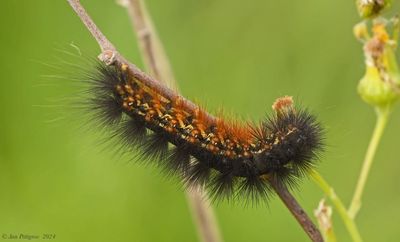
<point>328,190</point>
<point>104,43</point>
<point>152,50</point>
<point>203,215</point>
<point>382,118</point>
<point>297,211</point>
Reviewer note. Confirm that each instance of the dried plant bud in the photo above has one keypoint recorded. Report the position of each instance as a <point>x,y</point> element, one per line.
<point>380,85</point>
<point>324,217</point>
<point>360,31</point>
<point>371,8</point>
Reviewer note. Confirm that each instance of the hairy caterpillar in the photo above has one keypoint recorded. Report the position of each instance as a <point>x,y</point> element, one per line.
<point>228,158</point>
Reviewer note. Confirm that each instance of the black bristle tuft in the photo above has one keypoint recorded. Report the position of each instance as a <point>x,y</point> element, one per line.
<point>106,110</point>
<point>221,186</point>
<point>155,148</point>
<point>254,189</point>
<point>131,133</point>
<point>178,162</point>
<point>198,174</point>
<point>297,152</point>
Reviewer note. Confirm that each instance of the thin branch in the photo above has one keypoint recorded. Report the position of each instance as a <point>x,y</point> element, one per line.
<point>152,49</point>
<point>297,212</point>
<point>144,36</point>
<point>111,56</point>
<point>204,216</point>
<point>382,118</point>
<point>105,44</point>
<point>158,64</point>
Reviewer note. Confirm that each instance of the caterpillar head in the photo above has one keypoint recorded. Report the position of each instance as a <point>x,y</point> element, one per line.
<point>291,142</point>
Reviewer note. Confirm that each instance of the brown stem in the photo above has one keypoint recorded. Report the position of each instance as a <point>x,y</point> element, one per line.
<point>297,212</point>
<point>152,50</point>
<point>204,216</point>
<point>104,43</point>
<point>145,36</point>
<point>158,65</point>
<point>110,55</point>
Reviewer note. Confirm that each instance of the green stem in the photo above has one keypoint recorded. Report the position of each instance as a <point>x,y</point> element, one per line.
<point>330,236</point>
<point>382,118</point>
<point>328,190</point>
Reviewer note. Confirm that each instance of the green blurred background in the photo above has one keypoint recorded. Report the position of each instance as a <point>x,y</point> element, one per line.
<point>241,56</point>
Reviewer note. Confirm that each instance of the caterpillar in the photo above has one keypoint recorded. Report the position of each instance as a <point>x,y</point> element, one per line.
<point>228,158</point>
